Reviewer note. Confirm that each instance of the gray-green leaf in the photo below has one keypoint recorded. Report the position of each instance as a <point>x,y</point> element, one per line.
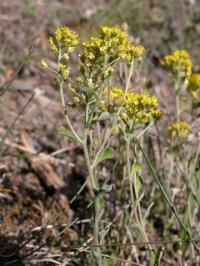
<point>67,133</point>
<point>108,153</point>
<point>135,168</point>
<point>104,116</point>
<point>138,184</point>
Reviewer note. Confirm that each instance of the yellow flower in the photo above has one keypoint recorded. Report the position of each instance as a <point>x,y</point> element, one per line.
<point>130,52</point>
<point>179,130</point>
<point>141,108</point>
<point>113,33</point>
<point>112,97</point>
<point>108,43</point>
<point>116,96</point>
<point>43,63</point>
<point>66,37</point>
<point>178,64</point>
<point>194,85</point>
<point>63,71</point>
<point>53,45</point>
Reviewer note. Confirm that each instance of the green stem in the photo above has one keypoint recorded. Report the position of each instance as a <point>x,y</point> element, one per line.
<point>195,162</point>
<point>129,77</point>
<point>177,88</point>
<point>178,108</point>
<point>88,163</point>
<point>166,197</point>
<point>97,202</point>
<point>66,116</point>
<point>134,194</point>
<point>106,138</point>
<point>129,171</point>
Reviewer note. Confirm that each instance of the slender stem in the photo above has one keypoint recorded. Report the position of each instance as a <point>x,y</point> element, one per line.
<point>171,170</point>
<point>145,130</point>
<point>129,77</point>
<point>195,162</point>
<point>134,194</point>
<point>97,229</point>
<point>129,171</point>
<point>166,197</point>
<point>10,128</point>
<point>88,163</point>
<point>178,107</point>
<point>97,206</point>
<point>177,88</point>
<point>106,138</point>
<point>66,115</point>
<point>97,203</point>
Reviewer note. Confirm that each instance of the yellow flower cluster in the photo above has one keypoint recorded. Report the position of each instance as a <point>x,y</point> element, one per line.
<point>141,107</point>
<point>113,33</point>
<point>179,130</point>
<point>136,108</point>
<point>130,52</point>
<point>109,42</point>
<point>64,38</point>
<point>194,85</point>
<point>112,42</point>
<point>43,63</point>
<point>116,96</point>
<point>112,97</point>
<point>62,43</point>
<point>179,64</point>
<point>63,71</point>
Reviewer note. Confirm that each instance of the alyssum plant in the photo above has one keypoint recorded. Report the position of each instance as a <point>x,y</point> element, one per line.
<point>108,112</point>
<point>185,82</point>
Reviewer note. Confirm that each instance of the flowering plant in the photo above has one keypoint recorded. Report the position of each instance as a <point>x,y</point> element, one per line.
<point>109,110</point>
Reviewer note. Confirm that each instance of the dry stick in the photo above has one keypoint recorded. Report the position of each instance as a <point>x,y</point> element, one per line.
<point>142,244</point>
<point>119,259</point>
<point>20,147</point>
<point>38,248</point>
<point>25,256</point>
<point>14,122</point>
<point>122,245</point>
<point>7,84</point>
<point>166,197</point>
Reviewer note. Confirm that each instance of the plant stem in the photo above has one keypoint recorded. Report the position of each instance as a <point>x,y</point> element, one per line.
<point>129,77</point>
<point>66,115</point>
<point>134,194</point>
<point>178,108</point>
<point>97,201</point>
<point>166,197</point>
<point>88,163</point>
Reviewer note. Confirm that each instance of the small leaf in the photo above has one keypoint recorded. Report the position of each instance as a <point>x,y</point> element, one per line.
<point>67,133</point>
<point>147,212</point>
<point>102,234</point>
<point>155,256</point>
<point>104,116</point>
<point>86,90</point>
<point>138,184</point>
<point>104,155</point>
<point>106,188</point>
<point>135,168</point>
